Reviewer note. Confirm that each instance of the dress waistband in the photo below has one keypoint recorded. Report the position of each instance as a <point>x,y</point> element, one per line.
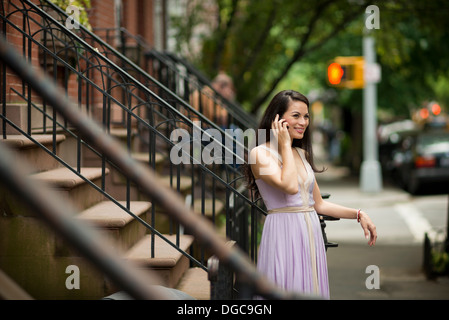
<point>292,209</point>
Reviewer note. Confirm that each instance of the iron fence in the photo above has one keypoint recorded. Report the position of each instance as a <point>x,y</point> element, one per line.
<point>120,96</point>
<point>52,209</point>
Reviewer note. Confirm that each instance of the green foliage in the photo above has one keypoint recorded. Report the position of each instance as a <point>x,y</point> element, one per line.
<point>440,262</point>
<point>268,45</point>
<point>83,5</point>
<point>414,52</point>
<point>258,42</point>
<point>184,26</point>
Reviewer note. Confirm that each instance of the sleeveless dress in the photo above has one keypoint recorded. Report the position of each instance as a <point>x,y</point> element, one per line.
<point>292,253</point>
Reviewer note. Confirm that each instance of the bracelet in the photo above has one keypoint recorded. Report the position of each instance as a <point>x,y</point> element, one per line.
<point>358,215</point>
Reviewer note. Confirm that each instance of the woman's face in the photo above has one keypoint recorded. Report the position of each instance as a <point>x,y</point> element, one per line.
<point>298,118</point>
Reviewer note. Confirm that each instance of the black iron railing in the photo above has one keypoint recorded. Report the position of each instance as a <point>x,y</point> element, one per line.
<point>178,75</point>
<point>108,87</point>
<point>120,96</point>
<point>52,209</point>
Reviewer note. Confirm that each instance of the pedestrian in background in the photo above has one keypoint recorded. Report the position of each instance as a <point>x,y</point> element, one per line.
<point>207,102</point>
<point>292,253</point>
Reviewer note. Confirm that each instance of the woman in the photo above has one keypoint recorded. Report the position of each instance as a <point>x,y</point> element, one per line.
<point>292,252</point>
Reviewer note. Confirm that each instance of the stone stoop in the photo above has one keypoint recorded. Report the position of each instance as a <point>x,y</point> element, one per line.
<point>72,187</point>
<point>31,253</point>
<point>168,262</point>
<point>116,181</point>
<point>116,224</point>
<point>210,207</point>
<point>41,250</point>
<point>184,185</point>
<point>32,153</point>
<point>195,283</point>
<point>18,113</point>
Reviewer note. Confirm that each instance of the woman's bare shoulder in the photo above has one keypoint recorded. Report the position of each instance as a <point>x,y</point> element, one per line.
<point>261,151</point>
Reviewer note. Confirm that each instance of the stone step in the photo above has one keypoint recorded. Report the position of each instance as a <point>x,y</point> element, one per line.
<point>32,153</point>
<point>142,157</point>
<point>162,220</point>
<point>195,283</point>
<point>168,262</point>
<point>75,189</point>
<point>122,133</point>
<point>18,114</point>
<point>185,183</point>
<point>184,187</point>
<point>208,210</point>
<point>92,159</point>
<point>117,224</point>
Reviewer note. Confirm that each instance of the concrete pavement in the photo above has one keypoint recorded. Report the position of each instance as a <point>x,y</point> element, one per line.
<point>398,254</point>
<point>400,273</point>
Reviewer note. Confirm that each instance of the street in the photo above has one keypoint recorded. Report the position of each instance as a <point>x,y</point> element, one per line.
<point>401,221</point>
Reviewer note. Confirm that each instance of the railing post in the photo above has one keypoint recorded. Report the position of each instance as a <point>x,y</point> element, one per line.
<point>221,278</point>
<point>323,225</point>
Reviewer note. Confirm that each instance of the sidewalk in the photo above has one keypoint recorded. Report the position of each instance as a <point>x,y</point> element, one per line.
<point>400,271</point>
<point>344,188</point>
<point>399,262</point>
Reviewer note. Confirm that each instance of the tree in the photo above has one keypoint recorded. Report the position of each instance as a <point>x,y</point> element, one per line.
<point>82,7</point>
<point>267,46</point>
<point>259,42</point>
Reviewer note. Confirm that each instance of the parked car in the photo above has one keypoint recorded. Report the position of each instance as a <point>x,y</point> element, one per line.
<point>390,138</point>
<point>422,158</point>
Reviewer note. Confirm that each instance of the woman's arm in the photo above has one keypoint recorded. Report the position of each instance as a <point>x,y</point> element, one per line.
<point>338,211</point>
<point>266,167</point>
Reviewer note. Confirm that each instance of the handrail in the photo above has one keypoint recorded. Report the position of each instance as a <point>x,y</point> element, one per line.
<point>59,215</point>
<point>79,43</point>
<point>195,78</point>
<point>108,70</point>
<point>230,105</point>
<point>162,102</point>
<point>131,66</point>
<point>177,99</point>
<point>142,176</point>
<point>77,171</point>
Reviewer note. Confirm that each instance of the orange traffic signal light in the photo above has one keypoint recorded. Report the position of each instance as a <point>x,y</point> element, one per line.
<point>436,109</point>
<point>335,73</point>
<point>346,72</point>
<point>424,113</point>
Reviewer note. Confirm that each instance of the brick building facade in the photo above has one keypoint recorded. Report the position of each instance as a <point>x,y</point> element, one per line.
<point>147,18</point>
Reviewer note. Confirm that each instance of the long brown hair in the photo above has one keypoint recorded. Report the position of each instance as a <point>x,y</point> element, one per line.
<point>279,105</point>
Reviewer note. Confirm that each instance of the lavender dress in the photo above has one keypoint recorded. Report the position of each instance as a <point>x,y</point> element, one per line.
<point>292,252</point>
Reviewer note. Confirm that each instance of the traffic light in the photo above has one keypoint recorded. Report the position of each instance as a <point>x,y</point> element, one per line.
<point>428,113</point>
<point>436,109</point>
<point>424,113</point>
<point>334,73</point>
<point>346,72</point>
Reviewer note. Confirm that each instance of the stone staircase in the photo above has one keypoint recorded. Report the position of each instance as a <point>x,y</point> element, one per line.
<point>30,253</point>
<point>37,260</point>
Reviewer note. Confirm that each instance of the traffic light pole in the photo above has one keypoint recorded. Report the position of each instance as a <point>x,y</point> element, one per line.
<point>371,174</point>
